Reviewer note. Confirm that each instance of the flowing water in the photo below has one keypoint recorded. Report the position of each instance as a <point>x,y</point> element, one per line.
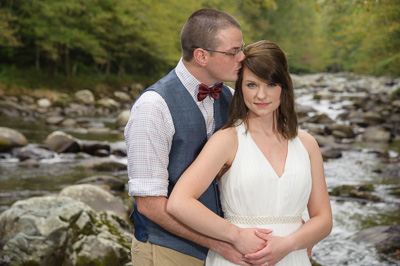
<point>349,217</point>
<point>354,167</point>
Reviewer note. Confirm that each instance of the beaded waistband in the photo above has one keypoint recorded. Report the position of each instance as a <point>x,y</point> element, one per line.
<point>254,220</point>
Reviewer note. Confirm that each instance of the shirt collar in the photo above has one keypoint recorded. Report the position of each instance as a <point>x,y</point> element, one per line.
<point>187,79</point>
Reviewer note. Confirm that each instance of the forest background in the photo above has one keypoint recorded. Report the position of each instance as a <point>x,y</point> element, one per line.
<point>69,45</point>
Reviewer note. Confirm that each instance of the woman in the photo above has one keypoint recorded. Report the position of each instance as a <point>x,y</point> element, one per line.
<point>268,170</point>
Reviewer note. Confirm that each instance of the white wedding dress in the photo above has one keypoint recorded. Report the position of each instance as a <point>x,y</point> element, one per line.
<point>253,195</point>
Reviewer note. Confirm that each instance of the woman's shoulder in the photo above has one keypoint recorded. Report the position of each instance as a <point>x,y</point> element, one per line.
<point>309,142</point>
<point>223,144</point>
<point>225,134</point>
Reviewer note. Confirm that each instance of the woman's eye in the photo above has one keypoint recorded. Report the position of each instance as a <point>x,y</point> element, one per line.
<point>272,85</point>
<point>250,85</point>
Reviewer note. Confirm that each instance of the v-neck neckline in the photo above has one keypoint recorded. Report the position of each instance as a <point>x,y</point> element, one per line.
<point>270,165</point>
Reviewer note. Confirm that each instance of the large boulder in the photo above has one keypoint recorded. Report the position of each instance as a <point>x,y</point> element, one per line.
<point>61,142</point>
<point>106,181</point>
<point>55,230</point>
<point>97,198</point>
<point>10,138</point>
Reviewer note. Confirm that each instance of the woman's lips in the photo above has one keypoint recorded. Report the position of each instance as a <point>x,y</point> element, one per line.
<point>262,104</point>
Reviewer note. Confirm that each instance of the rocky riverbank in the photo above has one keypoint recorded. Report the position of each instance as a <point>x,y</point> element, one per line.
<point>75,226</point>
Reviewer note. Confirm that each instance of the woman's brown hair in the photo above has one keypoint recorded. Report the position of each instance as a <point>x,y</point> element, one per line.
<point>267,61</point>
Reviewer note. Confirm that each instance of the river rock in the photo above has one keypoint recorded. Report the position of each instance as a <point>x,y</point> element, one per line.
<point>340,131</point>
<point>61,142</point>
<point>105,164</point>
<point>320,118</point>
<point>136,89</point>
<point>123,118</point>
<point>328,152</point>
<point>385,238</point>
<point>31,152</point>
<point>87,122</point>
<point>56,230</point>
<point>77,109</point>
<point>43,103</point>
<point>324,95</point>
<point>108,103</point>
<point>27,100</point>
<point>85,97</point>
<point>10,138</point>
<point>99,130</point>
<point>122,96</point>
<point>373,235</point>
<point>376,134</point>
<point>105,181</point>
<point>363,192</point>
<point>118,149</point>
<point>13,109</point>
<point>68,122</point>
<point>92,147</point>
<point>97,198</point>
<point>29,163</point>
<point>324,141</point>
<point>392,170</point>
<point>137,86</point>
<point>372,118</point>
<point>54,120</point>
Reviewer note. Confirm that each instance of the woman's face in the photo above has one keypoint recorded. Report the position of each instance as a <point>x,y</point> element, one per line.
<point>261,97</point>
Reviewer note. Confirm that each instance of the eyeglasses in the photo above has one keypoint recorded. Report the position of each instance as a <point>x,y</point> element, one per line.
<point>235,53</point>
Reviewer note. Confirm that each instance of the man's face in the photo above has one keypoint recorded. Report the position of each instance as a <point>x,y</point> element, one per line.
<point>225,66</point>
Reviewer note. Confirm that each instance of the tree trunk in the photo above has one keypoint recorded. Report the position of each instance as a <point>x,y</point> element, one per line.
<point>74,68</point>
<point>121,69</point>
<point>37,58</point>
<point>108,67</point>
<point>67,72</point>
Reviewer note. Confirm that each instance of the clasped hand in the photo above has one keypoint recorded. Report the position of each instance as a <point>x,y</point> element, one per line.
<point>248,242</point>
<point>274,250</point>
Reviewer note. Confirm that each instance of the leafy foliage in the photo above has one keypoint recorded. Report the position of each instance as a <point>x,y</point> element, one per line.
<point>141,37</point>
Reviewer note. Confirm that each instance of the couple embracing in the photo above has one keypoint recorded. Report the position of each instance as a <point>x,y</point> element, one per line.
<point>222,176</point>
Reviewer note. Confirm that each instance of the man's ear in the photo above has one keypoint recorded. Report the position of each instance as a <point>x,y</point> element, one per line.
<point>200,56</point>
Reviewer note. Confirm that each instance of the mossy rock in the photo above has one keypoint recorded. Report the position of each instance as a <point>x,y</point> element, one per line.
<point>356,191</point>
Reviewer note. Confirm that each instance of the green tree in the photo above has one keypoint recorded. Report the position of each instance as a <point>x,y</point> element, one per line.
<point>7,32</point>
<point>363,36</point>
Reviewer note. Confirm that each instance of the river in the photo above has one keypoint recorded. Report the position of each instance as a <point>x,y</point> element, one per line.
<point>354,167</point>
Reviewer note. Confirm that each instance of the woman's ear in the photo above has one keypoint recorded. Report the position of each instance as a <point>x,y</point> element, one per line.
<point>200,56</point>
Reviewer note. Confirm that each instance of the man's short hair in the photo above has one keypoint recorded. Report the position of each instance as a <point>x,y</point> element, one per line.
<point>201,30</point>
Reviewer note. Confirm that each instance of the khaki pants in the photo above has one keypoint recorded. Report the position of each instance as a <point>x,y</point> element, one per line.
<point>146,254</point>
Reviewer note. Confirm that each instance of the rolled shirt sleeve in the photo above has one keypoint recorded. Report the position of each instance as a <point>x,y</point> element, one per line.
<point>148,137</point>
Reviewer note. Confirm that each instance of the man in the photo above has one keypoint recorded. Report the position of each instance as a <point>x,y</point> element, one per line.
<point>169,124</point>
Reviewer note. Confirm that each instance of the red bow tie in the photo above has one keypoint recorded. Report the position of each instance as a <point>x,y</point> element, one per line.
<point>213,91</point>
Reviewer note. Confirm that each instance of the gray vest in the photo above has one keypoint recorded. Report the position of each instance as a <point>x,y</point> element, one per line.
<point>190,137</point>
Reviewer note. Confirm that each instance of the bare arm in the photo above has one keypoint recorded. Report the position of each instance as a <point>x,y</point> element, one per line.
<point>154,208</point>
<point>320,224</point>
<point>220,150</point>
